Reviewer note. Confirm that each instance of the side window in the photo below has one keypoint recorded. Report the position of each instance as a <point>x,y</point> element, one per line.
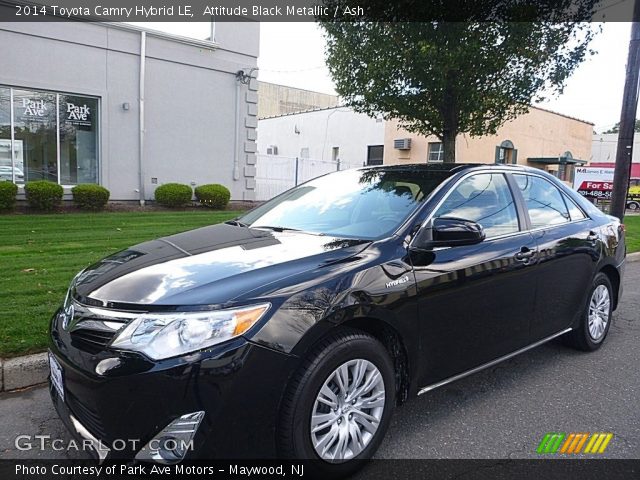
<point>574,211</point>
<point>543,200</point>
<point>486,199</point>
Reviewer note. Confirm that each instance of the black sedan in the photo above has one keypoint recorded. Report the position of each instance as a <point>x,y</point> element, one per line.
<point>294,330</point>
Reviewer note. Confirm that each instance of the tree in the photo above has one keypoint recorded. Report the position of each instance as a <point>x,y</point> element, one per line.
<point>616,127</point>
<point>447,78</point>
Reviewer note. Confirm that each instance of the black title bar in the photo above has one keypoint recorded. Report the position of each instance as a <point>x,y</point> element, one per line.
<point>316,10</point>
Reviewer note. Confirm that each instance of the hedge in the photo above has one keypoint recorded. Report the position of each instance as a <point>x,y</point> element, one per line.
<point>43,195</point>
<point>173,194</point>
<point>90,196</point>
<point>213,195</point>
<point>8,192</point>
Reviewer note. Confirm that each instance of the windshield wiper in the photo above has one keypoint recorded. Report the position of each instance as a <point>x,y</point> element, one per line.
<point>286,229</point>
<point>236,223</point>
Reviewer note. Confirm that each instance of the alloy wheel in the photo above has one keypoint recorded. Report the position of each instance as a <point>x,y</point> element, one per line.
<point>599,310</point>
<point>347,411</point>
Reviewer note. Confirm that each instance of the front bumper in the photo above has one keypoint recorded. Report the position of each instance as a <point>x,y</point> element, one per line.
<point>237,384</point>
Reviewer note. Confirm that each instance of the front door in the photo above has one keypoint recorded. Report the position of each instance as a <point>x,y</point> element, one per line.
<point>476,301</point>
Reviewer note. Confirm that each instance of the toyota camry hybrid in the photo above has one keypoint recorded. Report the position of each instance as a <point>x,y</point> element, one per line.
<point>293,331</point>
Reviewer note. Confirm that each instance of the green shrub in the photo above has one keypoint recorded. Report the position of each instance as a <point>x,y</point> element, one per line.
<point>43,195</point>
<point>213,195</point>
<point>8,192</point>
<point>90,196</point>
<point>173,194</point>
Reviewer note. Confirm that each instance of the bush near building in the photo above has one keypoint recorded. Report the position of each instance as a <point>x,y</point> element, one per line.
<point>8,192</point>
<point>90,196</point>
<point>43,195</point>
<point>173,195</point>
<point>213,195</point>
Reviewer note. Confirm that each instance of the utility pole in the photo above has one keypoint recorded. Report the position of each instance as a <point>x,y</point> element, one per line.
<point>627,121</point>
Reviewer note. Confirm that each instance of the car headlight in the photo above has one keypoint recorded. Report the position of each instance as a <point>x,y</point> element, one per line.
<point>165,335</point>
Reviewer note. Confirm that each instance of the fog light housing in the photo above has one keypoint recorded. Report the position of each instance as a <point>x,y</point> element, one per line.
<point>172,443</point>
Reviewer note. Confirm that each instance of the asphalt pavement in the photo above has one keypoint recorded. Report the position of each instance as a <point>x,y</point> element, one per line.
<point>500,413</point>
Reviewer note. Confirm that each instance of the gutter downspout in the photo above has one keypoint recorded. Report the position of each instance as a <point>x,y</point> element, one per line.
<point>236,132</point>
<point>143,51</point>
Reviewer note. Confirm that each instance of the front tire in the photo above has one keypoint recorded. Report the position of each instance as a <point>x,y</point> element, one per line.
<point>339,404</point>
<point>596,318</point>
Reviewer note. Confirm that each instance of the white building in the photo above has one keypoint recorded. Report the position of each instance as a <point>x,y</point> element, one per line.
<point>603,152</point>
<point>328,135</point>
<point>297,147</point>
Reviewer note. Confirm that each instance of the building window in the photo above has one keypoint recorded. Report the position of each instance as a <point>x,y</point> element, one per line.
<point>48,136</point>
<point>335,154</point>
<point>78,140</point>
<point>375,154</point>
<point>506,153</point>
<point>435,152</point>
<point>6,171</point>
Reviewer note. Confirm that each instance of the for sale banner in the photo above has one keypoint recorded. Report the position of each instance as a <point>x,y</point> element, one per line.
<point>594,182</point>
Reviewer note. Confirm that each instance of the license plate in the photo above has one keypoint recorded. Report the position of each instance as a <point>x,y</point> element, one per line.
<point>56,375</point>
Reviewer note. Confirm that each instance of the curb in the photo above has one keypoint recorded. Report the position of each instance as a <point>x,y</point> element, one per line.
<point>21,372</point>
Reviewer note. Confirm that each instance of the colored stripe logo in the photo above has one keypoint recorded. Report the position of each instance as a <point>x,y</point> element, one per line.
<point>573,443</point>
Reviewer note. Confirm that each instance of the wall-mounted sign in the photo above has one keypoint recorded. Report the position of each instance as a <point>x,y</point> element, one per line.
<point>594,182</point>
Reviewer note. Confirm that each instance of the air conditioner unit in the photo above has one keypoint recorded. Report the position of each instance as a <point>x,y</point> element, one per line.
<point>272,150</point>
<point>402,144</point>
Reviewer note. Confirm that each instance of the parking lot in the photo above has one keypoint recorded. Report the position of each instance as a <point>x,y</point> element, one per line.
<point>499,413</point>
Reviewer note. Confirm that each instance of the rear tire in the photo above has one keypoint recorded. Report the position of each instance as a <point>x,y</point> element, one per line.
<point>338,405</point>
<point>596,317</point>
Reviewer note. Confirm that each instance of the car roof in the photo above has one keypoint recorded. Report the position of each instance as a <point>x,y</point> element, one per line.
<point>446,167</point>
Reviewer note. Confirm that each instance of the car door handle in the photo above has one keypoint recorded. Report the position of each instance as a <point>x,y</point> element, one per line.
<point>525,254</point>
<point>592,237</point>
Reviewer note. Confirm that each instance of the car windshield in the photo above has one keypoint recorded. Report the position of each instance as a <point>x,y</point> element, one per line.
<point>364,204</point>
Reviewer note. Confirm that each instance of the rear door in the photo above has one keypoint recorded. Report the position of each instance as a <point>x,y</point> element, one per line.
<point>475,301</point>
<point>568,253</point>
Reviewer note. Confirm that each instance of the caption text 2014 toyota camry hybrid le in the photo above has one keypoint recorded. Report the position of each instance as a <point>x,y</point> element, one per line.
<point>294,330</point>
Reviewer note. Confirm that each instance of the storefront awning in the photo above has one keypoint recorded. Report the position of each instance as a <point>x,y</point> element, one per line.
<point>557,160</point>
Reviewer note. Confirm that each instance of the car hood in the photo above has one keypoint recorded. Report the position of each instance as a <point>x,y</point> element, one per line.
<point>210,265</point>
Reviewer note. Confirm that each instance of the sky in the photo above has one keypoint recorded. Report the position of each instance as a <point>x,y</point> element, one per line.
<point>293,54</point>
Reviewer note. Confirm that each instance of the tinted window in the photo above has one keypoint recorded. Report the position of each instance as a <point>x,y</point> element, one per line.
<point>574,211</point>
<point>544,201</point>
<point>485,199</point>
<point>364,204</point>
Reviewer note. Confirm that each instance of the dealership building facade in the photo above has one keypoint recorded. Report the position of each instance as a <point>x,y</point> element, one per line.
<point>128,108</point>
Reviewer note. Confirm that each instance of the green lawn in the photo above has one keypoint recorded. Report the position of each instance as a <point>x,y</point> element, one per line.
<point>632,224</point>
<point>40,254</point>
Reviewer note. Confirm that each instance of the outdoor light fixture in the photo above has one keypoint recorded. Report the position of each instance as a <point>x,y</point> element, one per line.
<point>126,106</point>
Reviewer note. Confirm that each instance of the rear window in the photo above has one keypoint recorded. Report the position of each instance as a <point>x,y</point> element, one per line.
<point>543,200</point>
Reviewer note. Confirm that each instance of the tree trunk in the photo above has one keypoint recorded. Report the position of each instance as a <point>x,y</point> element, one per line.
<point>449,145</point>
<point>450,126</point>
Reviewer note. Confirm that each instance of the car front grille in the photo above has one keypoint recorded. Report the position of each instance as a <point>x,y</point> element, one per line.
<point>91,329</point>
<point>91,341</point>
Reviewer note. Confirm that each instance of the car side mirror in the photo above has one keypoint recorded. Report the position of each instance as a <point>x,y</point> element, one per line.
<point>449,232</point>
